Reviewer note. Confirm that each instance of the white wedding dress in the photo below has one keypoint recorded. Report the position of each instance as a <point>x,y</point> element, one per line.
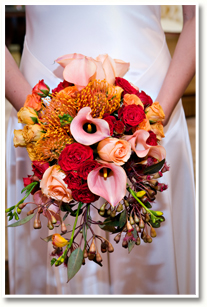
<point>167,265</point>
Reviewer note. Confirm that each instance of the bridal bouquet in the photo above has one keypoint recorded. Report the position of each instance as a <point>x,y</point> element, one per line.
<point>95,136</point>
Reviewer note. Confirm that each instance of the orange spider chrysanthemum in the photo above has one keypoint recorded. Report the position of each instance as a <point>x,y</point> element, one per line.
<point>100,96</point>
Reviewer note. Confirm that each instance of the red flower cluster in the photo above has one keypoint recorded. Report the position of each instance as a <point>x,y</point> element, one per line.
<point>116,126</point>
<point>152,139</point>
<point>131,115</point>
<point>129,89</point>
<point>61,86</point>
<point>39,168</point>
<point>126,86</point>
<point>73,155</point>
<point>77,161</point>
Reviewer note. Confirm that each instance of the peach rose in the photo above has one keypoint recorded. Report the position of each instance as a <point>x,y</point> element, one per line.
<point>33,101</point>
<point>19,139</point>
<point>53,185</point>
<point>24,115</point>
<point>132,99</point>
<point>114,150</point>
<point>155,112</point>
<point>32,133</point>
<point>157,128</point>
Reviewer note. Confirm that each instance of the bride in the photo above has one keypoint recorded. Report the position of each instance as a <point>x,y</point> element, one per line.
<point>134,34</point>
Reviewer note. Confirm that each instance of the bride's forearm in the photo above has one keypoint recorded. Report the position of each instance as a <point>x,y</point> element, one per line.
<point>16,86</point>
<point>181,69</point>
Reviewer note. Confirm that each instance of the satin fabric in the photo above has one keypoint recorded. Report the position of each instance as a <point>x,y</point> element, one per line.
<point>167,265</point>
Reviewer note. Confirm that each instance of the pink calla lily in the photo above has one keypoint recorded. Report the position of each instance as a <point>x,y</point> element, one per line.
<point>141,148</point>
<point>83,137</point>
<point>112,188</point>
<point>80,69</point>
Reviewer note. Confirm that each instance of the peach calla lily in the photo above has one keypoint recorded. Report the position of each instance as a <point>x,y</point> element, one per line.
<point>80,69</point>
<point>141,148</point>
<point>82,136</point>
<point>113,187</point>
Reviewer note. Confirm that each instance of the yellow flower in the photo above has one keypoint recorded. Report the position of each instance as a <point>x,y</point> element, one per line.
<point>19,139</point>
<point>24,115</point>
<point>155,112</point>
<point>58,240</point>
<point>31,151</point>
<point>32,133</point>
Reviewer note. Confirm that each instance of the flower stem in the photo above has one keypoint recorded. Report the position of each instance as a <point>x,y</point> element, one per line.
<point>60,260</point>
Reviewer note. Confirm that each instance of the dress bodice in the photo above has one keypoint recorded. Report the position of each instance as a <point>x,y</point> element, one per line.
<point>132,33</point>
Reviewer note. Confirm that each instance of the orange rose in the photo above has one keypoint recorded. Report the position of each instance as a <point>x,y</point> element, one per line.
<point>53,185</point>
<point>155,112</point>
<point>114,150</point>
<point>69,91</point>
<point>144,125</point>
<point>19,139</point>
<point>33,101</point>
<point>132,99</point>
<point>31,151</point>
<point>32,133</point>
<point>157,128</point>
<point>25,115</point>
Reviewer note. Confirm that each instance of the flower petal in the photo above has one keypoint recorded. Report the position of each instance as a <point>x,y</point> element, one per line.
<point>121,67</point>
<point>138,142</point>
<point>108,66</point>
<point>158,152</point>
<point>79,71</point>
<point>113,188</point>
<point>83,137</point>
<point>66,59</point>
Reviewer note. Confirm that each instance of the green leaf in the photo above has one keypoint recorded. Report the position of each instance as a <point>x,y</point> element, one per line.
<point>130,245</point>
<point>154,168</point>
<point>74,263</point>
<point>66,215</point>
<point>47,239</point>
<point>35,120</point>
<point>108,227</point>
<point>122,220</point>
<point>23,221</point>
<point>53,261</point>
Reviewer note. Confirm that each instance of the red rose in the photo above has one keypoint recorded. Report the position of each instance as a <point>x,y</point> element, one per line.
<point>84,194</point>
<point>86,167</point>
<point>29,180</point>
<point>61,86</point>
<point>133,115</point>
<point>126,86</point>
<point>145,99</point>
<point>41,89</point>
<point>152,139</point>
<point>110,120</point>
<point>119,127</point>
<point>39,168</point>
<point>73,156</point>
<point>73,180</point>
